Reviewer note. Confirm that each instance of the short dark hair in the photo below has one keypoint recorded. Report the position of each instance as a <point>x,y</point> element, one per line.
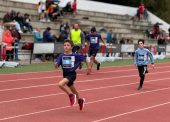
<point>93,29</point>
<point>48,28</point>
<point>69,41</point>
<point>141,40</point>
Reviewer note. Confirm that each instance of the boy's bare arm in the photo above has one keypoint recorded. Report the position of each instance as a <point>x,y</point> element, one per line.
<point>56,65</point>
<point>88,68</point>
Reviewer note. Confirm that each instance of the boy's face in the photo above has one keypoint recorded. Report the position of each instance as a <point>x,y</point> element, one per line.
<point>76,26</point>
<point>67,47</point>
<point>141,45</point>
<point>93,33</point>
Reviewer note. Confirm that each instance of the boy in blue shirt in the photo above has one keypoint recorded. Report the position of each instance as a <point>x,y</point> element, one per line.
<point>141,61</point>
<point>94,40</point>
<point>70,62</point>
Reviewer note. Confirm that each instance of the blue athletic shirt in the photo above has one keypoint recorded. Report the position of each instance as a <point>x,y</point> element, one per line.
<point>70,62</point>
<point>94,40</point>
<point>141,57</point>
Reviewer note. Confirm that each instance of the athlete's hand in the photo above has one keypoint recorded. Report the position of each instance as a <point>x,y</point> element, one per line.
<point>55,65</point>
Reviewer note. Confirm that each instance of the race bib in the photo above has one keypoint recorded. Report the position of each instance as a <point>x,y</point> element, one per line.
<point>68,61</point>
<point>141,57</point>
<point>93,40</point>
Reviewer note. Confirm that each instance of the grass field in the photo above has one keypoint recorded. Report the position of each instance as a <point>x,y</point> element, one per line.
<point>49,66</point>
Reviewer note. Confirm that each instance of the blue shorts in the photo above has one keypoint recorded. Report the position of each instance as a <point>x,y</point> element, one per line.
<point>71,76</point>
<point>93,52</point>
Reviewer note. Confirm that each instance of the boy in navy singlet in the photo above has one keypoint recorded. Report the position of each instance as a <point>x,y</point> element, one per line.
<point>70,62</point>
<point>94,41</point>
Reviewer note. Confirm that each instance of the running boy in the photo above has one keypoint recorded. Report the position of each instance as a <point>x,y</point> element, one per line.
<point>93,38</point>
<point>141,61</point>
<point>70,62</point>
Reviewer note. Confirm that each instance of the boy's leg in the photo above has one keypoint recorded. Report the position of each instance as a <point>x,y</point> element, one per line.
<point>74,91</point>
<point>63,85</point>
<point>142,70</point>
<point>142,77</point>
<point>95,61</point>
<point>91,61</point>
<point>80,100</point>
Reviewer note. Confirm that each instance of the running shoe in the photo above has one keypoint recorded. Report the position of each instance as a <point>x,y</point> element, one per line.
<point>72,99</point>
<point>98,66</point>
<point>146,71</point>
<point>140,87</point>
<point>81,103</point>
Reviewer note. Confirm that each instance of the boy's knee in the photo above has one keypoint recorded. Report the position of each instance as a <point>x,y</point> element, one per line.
<point>92,58</point>
<point>60,84</point>
<point>142,75</point>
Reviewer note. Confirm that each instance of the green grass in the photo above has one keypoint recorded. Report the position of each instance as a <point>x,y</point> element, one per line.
<point>50,66</point>
<point>28,68</point>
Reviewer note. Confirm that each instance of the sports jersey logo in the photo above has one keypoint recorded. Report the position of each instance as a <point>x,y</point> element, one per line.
<point>142,57</point>
<point>68,61</point>
<point>93,40</point>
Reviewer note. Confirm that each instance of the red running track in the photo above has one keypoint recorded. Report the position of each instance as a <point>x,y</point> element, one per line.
<point>111,95</point>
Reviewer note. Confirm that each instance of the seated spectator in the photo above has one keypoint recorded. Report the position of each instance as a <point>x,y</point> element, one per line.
<point>123,41</point>
<point>61,29</point>
<point>67,26</point>
<point>161,39</point>
<point>10,18</point>
<point>155,31</point>
<point>7,18</point>
<point>54,11</point>
<point>48,4</point>
<point>43,13</point>
<point>17,37</point>
<point>64,35</point>
<point>47,37</point>
<point>109,37</point>
<point>8,40</point>
<point>26,22</point>
<point>37,35</point>
<point>20,19</point>
<point>66,5</point>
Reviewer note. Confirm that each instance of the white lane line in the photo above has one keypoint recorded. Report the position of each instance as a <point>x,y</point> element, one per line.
<point>83,68</point>
<point>131,112</point>
<point>96,101</point>
<point>62,76</point>
<point>83,90</point>
<point>100,79</point>
<point>104,72</point>
<point>60,70</point>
